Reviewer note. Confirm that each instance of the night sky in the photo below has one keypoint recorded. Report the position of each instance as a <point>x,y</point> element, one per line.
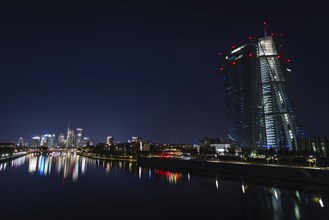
<point>145,68</point>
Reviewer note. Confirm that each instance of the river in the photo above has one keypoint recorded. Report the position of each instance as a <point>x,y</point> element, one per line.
<point>68,186</point>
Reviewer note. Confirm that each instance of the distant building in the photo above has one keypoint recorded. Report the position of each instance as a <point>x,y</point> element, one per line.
<point>258,100</point>
<point>135,139</point>
<point>221,149</point>
<point>20,142</point>
<point>145,146</point>
<point>36,140</point>
<point>61,141</point>
<point>53,143</point>
<point>7,149</point>
<point>109,140</point>
<point>7,145</point>
<point>48,140</point>
<point>78,137</point>
<point>85,142</point>
<point>70,138</point>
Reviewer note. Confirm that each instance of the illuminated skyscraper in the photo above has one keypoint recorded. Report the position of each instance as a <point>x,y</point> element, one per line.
<point>85,142</point>
<point>69,138</point>
<point>109,140</point>
<point>20,142</point>
<point>61,142</point>
<point>36,141</point>
<point>135,139</point>
<point>78,137</point>
<point>257,90</point>
<point>48,140</point>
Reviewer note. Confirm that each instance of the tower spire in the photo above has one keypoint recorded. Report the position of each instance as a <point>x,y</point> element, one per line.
<point>265,33</point>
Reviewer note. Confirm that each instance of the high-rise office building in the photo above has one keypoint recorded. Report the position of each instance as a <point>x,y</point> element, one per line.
<point>85,142</point>
<point>36,141</point>
<point>78,137</point>
<point>257,90</point>
<point>61,141</point>
<point>53,143</point>
<point>109,140</point>
<point>135,139</point>
<point>20,142</point>
<point>48,140</point>
<point>69,138</point>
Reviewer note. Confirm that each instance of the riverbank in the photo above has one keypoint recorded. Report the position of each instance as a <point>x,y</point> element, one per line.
<point>123,158</point>
<point>268,171</point>
<point>12,157</point>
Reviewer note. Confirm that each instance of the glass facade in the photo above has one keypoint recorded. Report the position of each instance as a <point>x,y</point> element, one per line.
<point>257,102</point>
<point>70,138</point>
<point>78,137</point>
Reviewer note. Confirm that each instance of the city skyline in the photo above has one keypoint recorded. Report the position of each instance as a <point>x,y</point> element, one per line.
<point>148,70</point>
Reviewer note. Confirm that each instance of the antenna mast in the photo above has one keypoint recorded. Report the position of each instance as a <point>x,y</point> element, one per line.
<point>265,33</point>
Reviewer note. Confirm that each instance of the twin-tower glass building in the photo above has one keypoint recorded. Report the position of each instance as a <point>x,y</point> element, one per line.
<point>258,94</point>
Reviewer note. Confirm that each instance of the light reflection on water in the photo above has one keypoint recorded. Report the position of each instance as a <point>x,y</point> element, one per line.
<point>72,166</point>
<point>66,165</point>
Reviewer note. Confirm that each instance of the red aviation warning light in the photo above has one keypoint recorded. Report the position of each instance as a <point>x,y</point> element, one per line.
<point>233,46</point>
<point>250,54</point>
<point>221,69</point>
<point>278,56</point>
<point>250,37</point>
<point>233,62</point>
<point>288,60</point>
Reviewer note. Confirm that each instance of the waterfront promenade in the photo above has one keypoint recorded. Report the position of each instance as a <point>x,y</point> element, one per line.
<point>270,171</point>
<point>316,175</point>
<point>120,158</point>
<point>5,158</point>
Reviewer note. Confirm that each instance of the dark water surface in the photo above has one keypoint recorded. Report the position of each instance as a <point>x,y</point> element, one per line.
<point>57,186</point>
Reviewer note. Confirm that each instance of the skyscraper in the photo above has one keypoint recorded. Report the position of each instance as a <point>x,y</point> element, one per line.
<point>85,142</point>
<point>36,141</point>
<point>109,140</point>
<point>48,140</point>
<point>61,141</point>
<point>78,137</point>
<point>257,83</point>
<point>20,142</point>
<point>69,138</point>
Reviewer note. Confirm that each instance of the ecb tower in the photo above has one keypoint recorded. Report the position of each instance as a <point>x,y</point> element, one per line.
<point>258,94</point>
